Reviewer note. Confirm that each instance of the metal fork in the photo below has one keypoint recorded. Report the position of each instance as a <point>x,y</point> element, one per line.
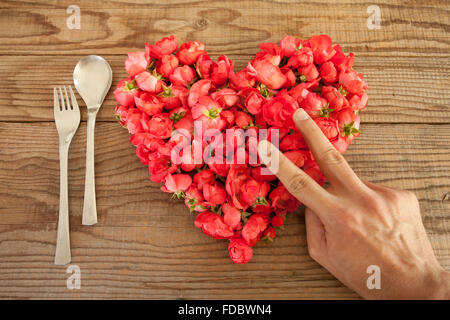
<point>67,119</point>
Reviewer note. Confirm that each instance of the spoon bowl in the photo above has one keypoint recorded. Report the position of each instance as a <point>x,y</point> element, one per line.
<point>92,77</point>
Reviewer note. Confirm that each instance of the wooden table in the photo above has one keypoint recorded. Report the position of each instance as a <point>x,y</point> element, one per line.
<point>145,245</point>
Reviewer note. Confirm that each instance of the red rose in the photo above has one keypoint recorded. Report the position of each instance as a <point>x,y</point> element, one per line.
<point>135,63</point>
<point>278,219</point>
<point>348,124</point>
<point>136,121</point>
<point>278,111</point>
<point>309,72</point>
<point>148,82</point>
<point>358,102</point>
<point>254,102</point>
<point>160,126</point>
<point>221,70</point>
<point>198,89</point>
<point>239,251</point>
<point>292,142</point>
<point>177,184</point>
<point>204,177</point>
<point>182,76</point>
<point>254,192</point>
<point>340,60</point>
<point>329,127</point>
<point>194,200</point>
<point>258,175</point>
<point>289,45</point>
<point>204,66</point>
<point>125,92</point>
<point>282,199</point>
<point>297,157</point>
<point>243,120</point>
<point>315,105</point>
<point>190,51</point>
<point>166,65</point>
<point>165,46</point>
<point>321,46</point>
<point>148,103</point>
<point>334,97</point>
<point>226,97</point>
<point>237,176</point>
<point>267,73</point>
<point>121,113</point>
<point>269,234</point>
<point>231,216</point>
<point>213,225</point>
<point>179,105</point>
<point>214,193</point>
<point>160,168</point>
<point>242,79</point>
<point>254,227</point>
<point>301,58</point>
<point>353,82</point>
<point>328,72</point>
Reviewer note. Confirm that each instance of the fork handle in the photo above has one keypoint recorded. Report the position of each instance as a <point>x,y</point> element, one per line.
<point>90,206</point>
<point>62,255</point>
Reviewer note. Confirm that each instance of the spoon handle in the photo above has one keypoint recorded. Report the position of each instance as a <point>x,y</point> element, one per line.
<point>90,206</point>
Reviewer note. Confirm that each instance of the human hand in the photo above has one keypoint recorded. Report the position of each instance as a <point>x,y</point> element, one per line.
<point>354,224</point>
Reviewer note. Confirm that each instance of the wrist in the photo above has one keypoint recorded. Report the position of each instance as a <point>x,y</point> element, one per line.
<point>439,284</point>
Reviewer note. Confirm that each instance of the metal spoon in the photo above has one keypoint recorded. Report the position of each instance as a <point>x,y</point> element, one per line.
<point>92,77</point>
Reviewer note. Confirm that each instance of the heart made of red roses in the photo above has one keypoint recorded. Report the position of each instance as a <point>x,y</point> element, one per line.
<point>196,124</point>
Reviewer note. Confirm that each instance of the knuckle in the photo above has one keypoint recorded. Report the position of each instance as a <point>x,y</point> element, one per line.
<point>332,157</point>
<point>297,183</point>
<point>352,223</point>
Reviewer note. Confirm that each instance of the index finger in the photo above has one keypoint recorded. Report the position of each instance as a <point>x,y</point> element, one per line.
<point>330,161</point>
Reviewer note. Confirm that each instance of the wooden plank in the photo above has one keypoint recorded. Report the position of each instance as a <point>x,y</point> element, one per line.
<point>405,62</point>
<point>411,89</point>
<point>231,26</point>
<point>146,246</point>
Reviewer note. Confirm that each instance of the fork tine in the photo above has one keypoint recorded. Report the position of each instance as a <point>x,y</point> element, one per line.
<point>56,100</point>
<point>67,99</point>
<point>61,96</point>
<point>74,99</point>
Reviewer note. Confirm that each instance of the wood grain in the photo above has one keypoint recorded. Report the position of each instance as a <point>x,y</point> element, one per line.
<point>412,89</point>
<point>145,245</point>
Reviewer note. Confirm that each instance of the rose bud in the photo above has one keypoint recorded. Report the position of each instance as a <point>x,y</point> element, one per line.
<point>125,92</point>
<point>214,193</point>
<point>190,51</point>
<point>353,82</point>
<point>269,234</point>
<point>166,65</point>
<point>135,63</point>
<point>213,225</point>
<point>165,46</point>
<point>204,177</point>
<point>148,103</point>
<point>289,45</point>
<point>148,82</point>
<point>239,251</point>
<point>231,216</point>
<point>328,72</point>
<point>253,229</point>
<point>182,76</point>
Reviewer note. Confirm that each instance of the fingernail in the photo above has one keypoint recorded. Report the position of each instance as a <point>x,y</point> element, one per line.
<point>300,115</point>
<point>264,151</point>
